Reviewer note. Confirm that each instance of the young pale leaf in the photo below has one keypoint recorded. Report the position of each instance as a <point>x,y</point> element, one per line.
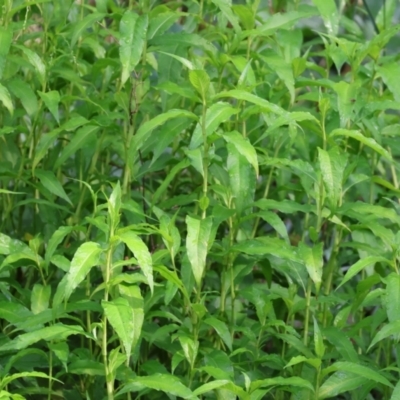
<point>315,362</point>
<point>210,386</point>
<point>133,31</point>
<point>126,321</point>
<point>393,328</point>
<point>40,297</point>
<point>330,15</point>
<point>114,205</point>
<point>5,98</point>
<point>197,244</point>
<point>6,35</point>
<point>360,265</point>
<point>200,81</point>
<point>318,341</point>
<point>364,140</point>
<point>161,382</point>
<point>190,349</point>
<point>226,8</point>
<point>81,138</point>
<point>361,370</point>
<point>141,253</point>
<point>55,332</point>
<point>52,184</point>
<point>392,297</point>
<point>312,258</point>
<point>340,382</point>
<point>222,330</point>
<point>244,147</point>
<point>86,257</point>
<point>51,99</point>
<point>215,115</point>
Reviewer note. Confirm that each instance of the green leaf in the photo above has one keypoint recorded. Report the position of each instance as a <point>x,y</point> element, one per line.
<point>392,328</point>
<point>330,15</point>
<point>226,8</point>
<point>133,31</point>
<point>284,206</point>
<point>361,370</point>
<point>392,297</point>
<point>197,244</point>
<point>56,238</point>
<point>318,341</point>
<point>389,73</point>
<point>161,23</point>
<point>51,99</point>
<point>360,265</point>
<point>340,382</point>
<point>141,253</point>
<point>215,115</point>
<point>332,165</point>
<point>364,140</point>
<point>396,392</point>
<point>251,98</point>
<point>244,147</point>
<point>341,343</point>
<point>147,127</point>
<point>222,330</point>
<point>315,362</point>
<point>242,179</point>
<point>82,138</point>
<point>9,378</point>
<point>200,81</point>
<point>312,258</point>
<point>55,332</point>
<point>14,312</point>
<point>86,257</point>
<point>274,220</point>
<point>51,183</point>
<point>210,386</point>
<point>84,24</point>
<point>36,62</point>
<point>5,98</point>
<point>40,297</point>
<point>126,321</point>
<point>6,35</point>
<point>25,94</point>
<point>161,382</point>
<point>280,381</point>
<point>282,21</point>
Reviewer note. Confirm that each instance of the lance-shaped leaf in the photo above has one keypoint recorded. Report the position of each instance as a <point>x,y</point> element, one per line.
<point>312,258</point>
<point>200,81</point>
<point>133,31</point>
<point>244,147</point>
<point>197,243</point>
<point>332,164</point>
<point>141,253</point>
<point>52,184</point>
<point>330,15</point>
<point>126,321</point>
<point>86,257</point>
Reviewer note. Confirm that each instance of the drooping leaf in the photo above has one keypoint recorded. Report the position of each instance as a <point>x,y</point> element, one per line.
<point>330,15</point>
<point>5,98</point>
<point>280,381</point>
<point>222,330</point>
<point>392,328</point>
<point>312,258</point>
<point>141,252</point>
<point>23,91</point>
<point>78,28</point>
<point>340,382</point>
<point>52,184</point>
<point>51,99</point>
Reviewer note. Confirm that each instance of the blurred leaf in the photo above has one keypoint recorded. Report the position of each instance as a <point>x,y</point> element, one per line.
<point>51,99</point>
<point>78,28</point>
<point>280,381</point>
<point>340,382</point>
<point>392,297</point>
<point>55,332</point>
<point>37,63</point>
<point>25,94</point>
<point>133,31</point>
<point>51,183</point>
<point>312,258</point>
<point>5,98</point>
<point>392,328</point>
<point>329,14</point>
<point>40,298</point>
<point>200,81</point>
<point>6,35</point>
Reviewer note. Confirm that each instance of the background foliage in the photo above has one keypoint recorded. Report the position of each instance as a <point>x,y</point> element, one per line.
<point>199,200</point>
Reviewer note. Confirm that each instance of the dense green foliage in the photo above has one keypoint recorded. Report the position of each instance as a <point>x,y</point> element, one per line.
<point>199,200</point>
